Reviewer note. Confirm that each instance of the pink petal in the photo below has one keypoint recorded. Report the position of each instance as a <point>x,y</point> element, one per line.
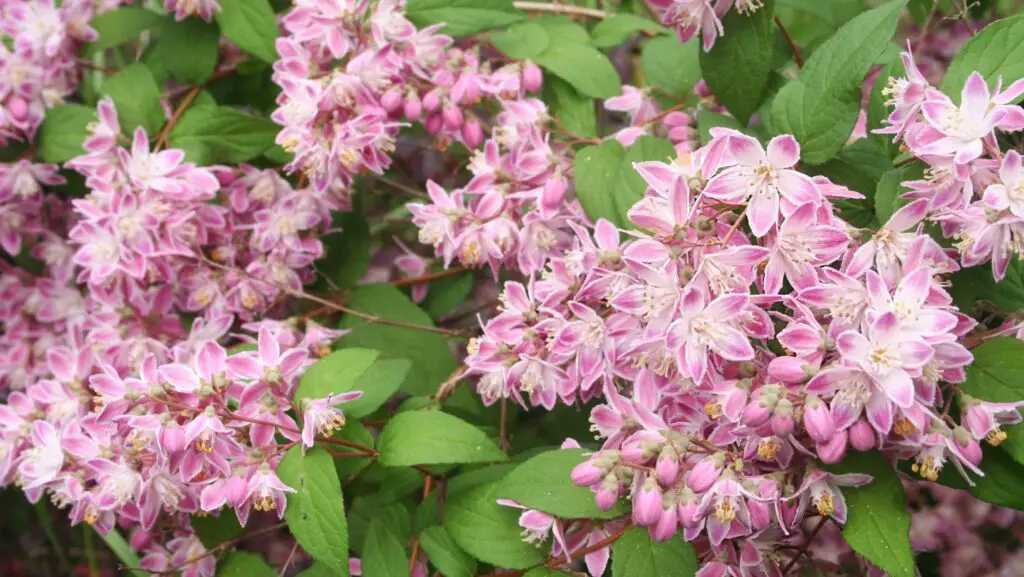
<point>783,151</point>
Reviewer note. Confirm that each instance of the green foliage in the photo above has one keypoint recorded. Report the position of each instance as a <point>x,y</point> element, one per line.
<point>137,97</point>
<point>975,287</point>
<point>348,251</point>
<point>708,119</point>
<point>618,28</point>
<point>213,530</point>
<point>220,134</point>
<point>243,564</point>
<point>997,373</point>
<point>445,554</point>
<point>356,432</point>
<point>1000,485</point>
<point>187,50</point>
<point>543,483</point>
<point>888,194</point>
<point>878,524</point>
<point>487,530</point>
<point>316,510</point>
<point>120,26</point>
<point>574,111</point>
<point>858,167</point>
<point>383,553</point>
<point>334,374</point>
<point>738,67</point>
<point>251,25</point>
<point>433,437</point>
<point>463,17</point>
<point>997,51</point>
<point>606,183</point>
<point>671,66</point>
<point>63,131</point>
<point>431,359</point>
<point>447,293</point>
<point>820,106</point>
<point>635,554</point>
<point>378,383</point>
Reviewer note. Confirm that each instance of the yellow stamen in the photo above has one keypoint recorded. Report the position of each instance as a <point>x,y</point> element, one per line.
<point>825,505</point>
<point>713,409</point>
<point>996,437</point>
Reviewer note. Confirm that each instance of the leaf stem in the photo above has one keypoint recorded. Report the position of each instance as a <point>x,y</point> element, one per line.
<point>561,9</point>
<point>161,140</point>
<point>797,56</point>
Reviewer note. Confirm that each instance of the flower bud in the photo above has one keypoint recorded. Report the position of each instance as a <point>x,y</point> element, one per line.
<point>755,414</point>
<point>140,539</point>
<point>862,435</point>
<point>667,524</point>
<point>688,503</point>
<point>971,451</point>
<point>391,101</point>
<point>413,106</point>
<point>647,503</point>
<point>533,78</point>
<point>608,493</point>
<point>587,473</point>
<point>18,108</point>
<point>432,101</point>
<point>472,134</point>
<point>452,117</point>
<point>782,418</point>
<point>433,123</point>
<point>172,438</point>
<point>705,473</point>
<point>789,369</point>
<point>553,193</point>
<point>834,450</point>
<point>818,420</point>
<point>667,467</point>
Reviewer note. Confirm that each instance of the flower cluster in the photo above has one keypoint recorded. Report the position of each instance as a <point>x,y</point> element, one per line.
<point>690,17</point>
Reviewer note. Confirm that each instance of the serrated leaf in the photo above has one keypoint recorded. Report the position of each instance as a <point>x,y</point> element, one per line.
<point>1000,485</point>
<point>463,17</point>
<point>369,508</point>
<point>574,111</point>
<point>347,253</point>
<point>251,25</point>
<point>432,360</point>
<point>738,67</point>
<point>889,194</point>
<point>447,293</point>
<point>708,119</point>
<point>211,135</point>
<point>858,167</point>
<point>522,41</point>
<point>607,185</point>
<point>378,383</point>
<point>445,554</point>
<point>543,483</point>
<point>243,564</point>
<point>137,98</point>
<point>383,553</point>
<point>213,530</point>
<point>434,438</point>
<point>562,29</point>
<point>199,40</point>
<point>119,26</point>
<point>878,524</point>
<point>589,71</point>
<point>618,28</point>
<point>635,554</point>
<point>334,374</point>
<point>997,373</point>
<point>489,531</point>
<point>996,51</point>
<point>976,286</point>
<point>820,107</point>
<point>670,65</point>
<point>316,510</point>
<point>63,131</point>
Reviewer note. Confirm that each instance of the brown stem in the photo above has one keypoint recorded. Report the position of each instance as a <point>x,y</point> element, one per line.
<point>561,9</point>
<point>503,427</point>
<point>555,562</point>
<point>971,341</point>
<point>427,484</point>
<point>166,132</point>
<point>223,546</point>
<point>797,56</point>
<point>445,389</point>
<point>806,545</point>
<point>429,276</point>
<point>399,186</point>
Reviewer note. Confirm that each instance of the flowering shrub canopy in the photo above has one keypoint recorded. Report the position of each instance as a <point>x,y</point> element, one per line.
<point>492,288</point>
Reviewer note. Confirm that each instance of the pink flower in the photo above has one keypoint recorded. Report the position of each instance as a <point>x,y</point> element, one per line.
<point>319,417</point>
<point>801,246</point>
<point>185,8</point>
<point>1008,193</point>
<point>708,326</point>
<point>266,492</point>
<point>821,490</point>
<point>890,356</point>
<point>43,462</point>
<point>165,171</point>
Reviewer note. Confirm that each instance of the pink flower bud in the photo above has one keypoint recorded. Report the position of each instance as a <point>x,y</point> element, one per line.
<point>472,134</point>
<point>667,524</point>
<point>818,420</point>
<point>688,504</point>
<point>452,117</point>
<point>789,369</point>
<point>140,539</point>
<point>647,503</point>
<point>755,414</point>
<point>432,101</point>
<point>172,438</point>
<point>782,419</point>
<point>667,467</point>
<point>834,450</point>
<point>413,106</point>
<point>533,78</point>
<point>433,123</point>
<point>587,473</point>
<point>705,473</point>
<point>971,451</point>
<point>391,101</point>
<point>18,108</point>
<point>553,194</point>
<point>608,493</point>
<point>862,435</point>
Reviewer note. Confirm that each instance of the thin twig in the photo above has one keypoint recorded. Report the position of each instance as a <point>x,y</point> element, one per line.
<point>225,545</point>
<point>399,186</point>
<point>429,276</point>
<point>288,561</point>
<point>445,389</point>
<point>797,56</point>
<point>561,9</point>
<point>427,485</point>
<point>503,427</point>
<point>806,545</point>
<point>555,562</point>
<point>178,112</point>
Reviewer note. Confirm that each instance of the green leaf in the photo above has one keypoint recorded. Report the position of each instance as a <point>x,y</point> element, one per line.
<point>563,29</point>
<point>353,431</point>
<point>618,28</point>
<point>606,183</point>
<point>316,510</point>
<point>878,524</point>
<point>463,17</point>
<point>432,360</point>
<point>214,530</point>
<point>123,551</point>
<point>434,438</point>
<point>635,554</point>
<point>584,67</point>
<point>543,482</point>
<point>211,135</point>
<point>383,553</point>
<point>997,373</point>
<point>367,509</point>
<point>573,110</point>
<point>317,570</point>
<point>708,119</point>
<point>251,25</point>
<point>545,572</point>
<point>738,67</point>
<point>670,65</point>
<point>973,289</point>
<point>63,131</point>
<point>996,51</point>
<point>381,380</point>
<point>523,41</point>
<point>887,194</point>
<point>243,564</point>
<point>489,531</point>
<point>858,167</point>
<point>820,106</point>
<point>119,26</point>
<point>1000,485</point>
<point>137,98</point>
<point>347,252</point>
<point>447,293</point>
<point>188,49</point>
<point>878,111</point>
<point>445,554</point>
<point>334,374</point>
